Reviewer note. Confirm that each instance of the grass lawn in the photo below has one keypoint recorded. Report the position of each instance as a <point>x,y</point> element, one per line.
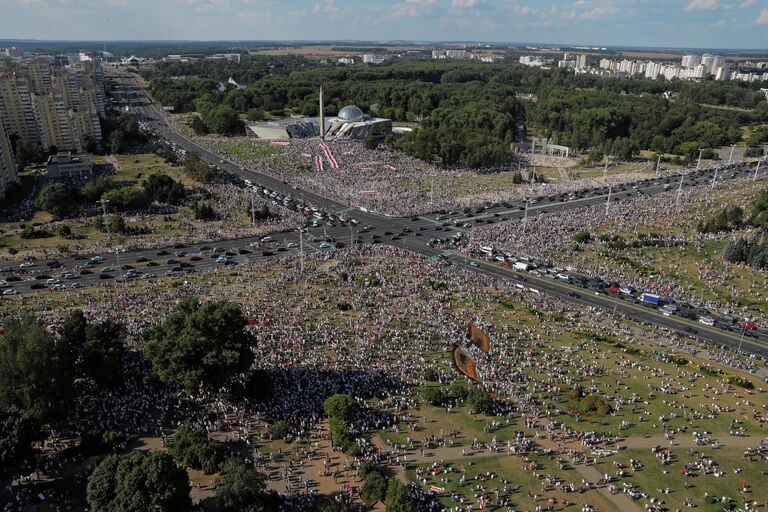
<point>251,150</point>
<point>654,476</point>
<point>523,487</point>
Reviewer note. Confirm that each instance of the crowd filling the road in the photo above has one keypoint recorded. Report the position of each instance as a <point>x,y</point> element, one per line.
<point>384,180</point>
<point>372,322</point>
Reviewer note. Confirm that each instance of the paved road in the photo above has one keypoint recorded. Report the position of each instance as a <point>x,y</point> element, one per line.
<point>143,108</point>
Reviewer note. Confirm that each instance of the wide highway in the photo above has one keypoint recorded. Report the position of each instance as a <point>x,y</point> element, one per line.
<point>407,233</point>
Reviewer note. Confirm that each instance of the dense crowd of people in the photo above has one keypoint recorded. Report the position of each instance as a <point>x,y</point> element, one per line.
<point>550,237</point>
<point>362,322</point>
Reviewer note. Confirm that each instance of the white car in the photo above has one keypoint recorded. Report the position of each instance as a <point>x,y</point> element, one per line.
<point>27,264</point>
<point>10,291</point>
<point>291,245</point>
<point>5,284</point>
<point>266,239</point>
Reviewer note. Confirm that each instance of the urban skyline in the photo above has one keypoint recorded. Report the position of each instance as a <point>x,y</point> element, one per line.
<point>679,24</point>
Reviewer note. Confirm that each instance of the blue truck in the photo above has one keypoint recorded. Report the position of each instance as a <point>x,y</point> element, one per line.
<point>650,299</point>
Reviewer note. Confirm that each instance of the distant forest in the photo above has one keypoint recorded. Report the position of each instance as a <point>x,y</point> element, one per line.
<point>469,112</point>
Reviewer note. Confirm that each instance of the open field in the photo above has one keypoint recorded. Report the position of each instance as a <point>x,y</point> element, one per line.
<point>146,229</point>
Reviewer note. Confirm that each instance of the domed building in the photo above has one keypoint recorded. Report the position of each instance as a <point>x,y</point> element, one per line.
<point>351,114</point>
<point>350,123</point>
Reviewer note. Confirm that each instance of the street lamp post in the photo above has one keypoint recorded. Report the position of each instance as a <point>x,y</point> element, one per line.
<point>608,202</point>
<point>679,188</point>
<point>698,162</point>
<point>730,158</point>
<point>757,169</point>
<point>741,339</point>
<point>525,216</point>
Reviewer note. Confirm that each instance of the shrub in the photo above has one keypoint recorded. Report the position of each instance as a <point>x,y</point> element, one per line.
<point>193,448</point>
<point>278,430</point>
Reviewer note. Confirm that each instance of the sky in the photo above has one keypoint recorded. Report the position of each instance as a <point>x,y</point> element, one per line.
<point>652,23</point>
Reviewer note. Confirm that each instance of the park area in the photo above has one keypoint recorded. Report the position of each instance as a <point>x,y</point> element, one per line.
<point>569,396</point>
<point>190,211</point>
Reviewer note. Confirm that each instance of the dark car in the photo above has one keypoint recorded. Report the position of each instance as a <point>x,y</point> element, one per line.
<point>152,264</point>
<point>172,262</point>
<point>127,267</point>
<point>179,246</point>
<point>12,279</point>
<point>141,259</point>
<point>267,253</point>
<point>53,264</point>
<point>41,277</point>
<point>243,251</point>
<point>37,286</point>
<point>162,253</point>
<point>106,276</point>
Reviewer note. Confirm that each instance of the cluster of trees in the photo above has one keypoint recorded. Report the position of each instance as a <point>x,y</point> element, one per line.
<point>753,250</point>
<point>478,400</point>
<point>203,211</point>
<point>191,447</point>
<point>729,218</point>
<point>38,374</point>
<point>64,200</point>
<point>197,169</point>
<point>120,134</point>
<point>141,481</point>
<point>469,110</point>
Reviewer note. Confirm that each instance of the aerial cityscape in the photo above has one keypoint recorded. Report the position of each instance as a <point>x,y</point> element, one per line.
<point>415,256</point>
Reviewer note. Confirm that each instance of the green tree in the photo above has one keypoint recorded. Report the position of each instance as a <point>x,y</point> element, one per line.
<point>371,142</point>
<point>198,126</point>
<point>93,190</point>
<point>479,401</point>
<point>201,346</point>
<point>193,448</point>
<point>35,372</point>
<point>96,349</point>
<point>18,430</point>
<point>117,224</point>
<point>433,395</point>
<point>57,199</point>
<point>164,189</point>
<point>139,482</point>
<point>244,489</point>
<point>340,406</point>
<point>398,499</point>
<point>222,119</point>
<point>197,169</point>
<point>582,237</point>
<point>279,429</point>
<point>126,198</point>
<point>374,488</point>
<point>27,154</point>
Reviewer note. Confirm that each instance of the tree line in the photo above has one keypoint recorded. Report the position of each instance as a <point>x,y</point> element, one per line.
<point>469,110</point>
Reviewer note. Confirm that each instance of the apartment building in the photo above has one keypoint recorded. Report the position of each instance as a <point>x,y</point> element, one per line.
<point>8,173</point>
